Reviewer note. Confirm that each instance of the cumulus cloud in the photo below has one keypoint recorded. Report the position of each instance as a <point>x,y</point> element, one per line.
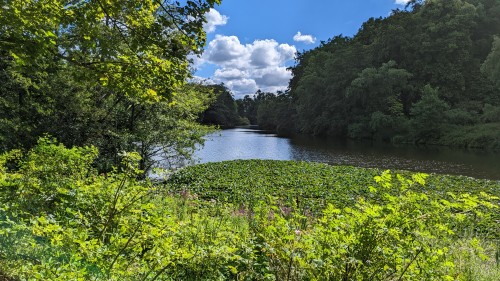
<point>242,86</point>
<point>214,19</point>
<point>308,39</point>
<point>272,77</point>
<point>245,68</point>
<point>287,52</point>
<point>402,2</point>
<point>265,53</point>
<point>226,50</point>
<point>230,74</point>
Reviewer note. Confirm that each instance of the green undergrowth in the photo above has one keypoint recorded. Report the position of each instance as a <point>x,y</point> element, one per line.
<point>485,136</point>
<point>312,188</point>
<point>240,220</point>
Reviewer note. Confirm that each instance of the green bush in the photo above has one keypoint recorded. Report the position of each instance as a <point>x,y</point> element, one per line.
<point>242,220</point>
<point>484,136</point>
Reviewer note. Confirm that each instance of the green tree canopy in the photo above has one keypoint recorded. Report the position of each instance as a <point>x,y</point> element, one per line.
<point>138,48</point>
<point>428,114</point>
<point>367,85</point>
<point>491,66</point>
<point>223,111</point>
<point>106,73</point>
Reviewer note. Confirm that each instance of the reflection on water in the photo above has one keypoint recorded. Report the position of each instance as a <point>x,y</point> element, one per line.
<point>243,143</point>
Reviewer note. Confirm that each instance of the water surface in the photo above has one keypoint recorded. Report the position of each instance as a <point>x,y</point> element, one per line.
<point>244,143</point>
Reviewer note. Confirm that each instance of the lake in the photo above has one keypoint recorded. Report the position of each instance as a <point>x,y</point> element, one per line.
<point>248,143</point>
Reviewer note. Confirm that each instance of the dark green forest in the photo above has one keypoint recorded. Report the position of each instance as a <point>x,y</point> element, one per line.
<point>427,74</point>
<point>223,110</point>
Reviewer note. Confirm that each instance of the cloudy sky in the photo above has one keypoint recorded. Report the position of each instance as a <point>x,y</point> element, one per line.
<point>251,43</point>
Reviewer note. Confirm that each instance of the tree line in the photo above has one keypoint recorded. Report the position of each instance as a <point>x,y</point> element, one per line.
<point>426,74</point>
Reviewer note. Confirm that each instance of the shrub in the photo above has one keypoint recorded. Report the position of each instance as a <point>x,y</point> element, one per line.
<point>60,220</point>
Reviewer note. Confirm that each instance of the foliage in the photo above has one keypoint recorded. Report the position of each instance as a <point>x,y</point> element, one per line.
<point>61,220</point>
<point>354,224</point>
<point>491,113</point>
<point>223,111</point>
<point>371,84</point>
<point>485,136</point>
<point>491,66</point>
<point>65,109</point>
<point>65,222</point>
<point>272,112</point>
<point>164,133</point>
<point>428,115</point>
<point>109,74</point>
<point>306,185</point>
<point>247,108</point>
<point>133,47</point>
<point>380,95</point>
<point>275,112</point>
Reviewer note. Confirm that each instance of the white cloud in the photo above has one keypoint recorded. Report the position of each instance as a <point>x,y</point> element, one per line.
<point>273,77</point>
<point>245,68</point>
<point>242,86</point>
<point>287,52</point>
<point>263,53</point>
<point>308,39</point>
<point>402,2</point>
<point>230,74</point>
<point>214,19</point>
<point>266,53</point>
<point>225,50</point>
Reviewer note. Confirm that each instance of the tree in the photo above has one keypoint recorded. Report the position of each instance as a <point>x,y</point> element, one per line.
<point>138,48</point>
<point>105,73</point>
<point>491,66</point>
<point>366,86</point>
<point>247,108</point>
<point>223,111</point>
<point>378,97</point>
<point>319,99</point>
<point>165,134</point>
<point>428,115</point>
<point>276,113</point>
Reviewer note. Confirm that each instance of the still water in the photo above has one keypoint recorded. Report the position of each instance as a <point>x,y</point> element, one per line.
<point>244,143</point>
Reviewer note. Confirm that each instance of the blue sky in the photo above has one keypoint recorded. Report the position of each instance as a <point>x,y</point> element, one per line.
<point>250,43</point>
